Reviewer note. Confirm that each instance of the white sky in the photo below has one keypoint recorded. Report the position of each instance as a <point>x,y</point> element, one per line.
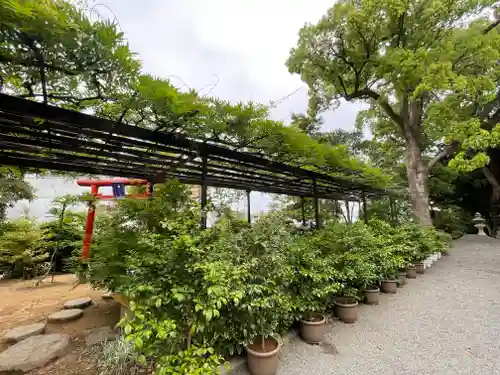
<point>243,43</point>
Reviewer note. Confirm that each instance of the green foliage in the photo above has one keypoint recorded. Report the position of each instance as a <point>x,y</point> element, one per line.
<point>51,50</point>
<point>76,62</point>
<point>20,246</point>
<point>428,70</point>
<point>198,295</point>
<point>116,358</point>
<point>12,188</point>
<point>62,236</point>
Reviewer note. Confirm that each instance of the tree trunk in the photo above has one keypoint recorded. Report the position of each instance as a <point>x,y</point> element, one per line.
<point>417,181</point>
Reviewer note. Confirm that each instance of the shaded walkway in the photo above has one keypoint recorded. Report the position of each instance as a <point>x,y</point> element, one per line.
<point>444,322</point>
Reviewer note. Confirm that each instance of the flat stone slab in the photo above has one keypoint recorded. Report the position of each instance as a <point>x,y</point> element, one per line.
<point>22,332</point>
<point>65,315</point>
<point>33,352</point>
<point>107,295</point>
<point>79,303</point>
<point>99,335</point>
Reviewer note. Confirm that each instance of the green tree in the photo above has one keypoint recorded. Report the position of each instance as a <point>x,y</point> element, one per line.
<point>418,63</point>
<point>12,189</point>
<point>51,51</point>
<point>20,247</point>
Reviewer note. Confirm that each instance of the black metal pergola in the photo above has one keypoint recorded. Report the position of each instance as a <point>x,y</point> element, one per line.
<point>36,135</point>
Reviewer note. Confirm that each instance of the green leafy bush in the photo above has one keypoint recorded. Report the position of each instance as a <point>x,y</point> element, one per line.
<point>21,248</point>
<point>197,296</point>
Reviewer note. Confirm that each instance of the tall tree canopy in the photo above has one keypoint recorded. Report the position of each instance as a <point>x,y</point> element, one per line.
<point>428,68</point>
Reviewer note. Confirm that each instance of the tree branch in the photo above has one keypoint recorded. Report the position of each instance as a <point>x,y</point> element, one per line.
<point>448,151</point>
<point>491,178</point>
<point>384,104</point>
<point>491,27</point>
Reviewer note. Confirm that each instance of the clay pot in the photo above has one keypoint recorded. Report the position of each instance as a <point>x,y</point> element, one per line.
<point>420,267</point>
<point>402,279</point>
<point>411,272</point>
<point>372,296</point>
<point>389,286</point>
<point>263,361</point>
<point>313,330</point>
<point>347,309</point>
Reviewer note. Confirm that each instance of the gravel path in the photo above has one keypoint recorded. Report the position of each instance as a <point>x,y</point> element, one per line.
<point>444,322</point>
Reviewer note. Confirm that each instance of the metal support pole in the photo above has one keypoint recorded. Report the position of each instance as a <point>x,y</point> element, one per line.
<point>365,211</point>
<point>203,197</point>
<point>150,188</point>
<point>249,216</point>
<point>391,205</point>
<point>316,206</point>
<point>302,204</point>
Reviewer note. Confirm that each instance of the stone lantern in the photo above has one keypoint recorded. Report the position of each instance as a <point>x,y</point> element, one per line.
<point>479,223</point>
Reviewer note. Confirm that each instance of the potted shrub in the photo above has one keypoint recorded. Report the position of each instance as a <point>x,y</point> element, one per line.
<point>402,278</point>
<point>267,300</point>
<point>371,292</point>
<point>346,309</point>
<point>310,288</point>
<point>411,272</point>
<point>372,295</point>
<point>389,285</point>
<point>389,266</point>
<point>419,266</point>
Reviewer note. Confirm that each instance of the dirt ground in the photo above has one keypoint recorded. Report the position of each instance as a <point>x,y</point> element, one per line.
<point>22,303</point>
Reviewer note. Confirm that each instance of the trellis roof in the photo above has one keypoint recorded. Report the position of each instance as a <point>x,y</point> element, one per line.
<point>35,135</point>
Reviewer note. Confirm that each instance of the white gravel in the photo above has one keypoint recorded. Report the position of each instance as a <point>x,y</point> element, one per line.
<point>444,322</point>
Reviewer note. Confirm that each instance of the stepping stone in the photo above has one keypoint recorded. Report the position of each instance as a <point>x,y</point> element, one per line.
<point>65,315</point>
<point>22,332</point>
<point>33,352</point>
<point>108,295</point>
<point>79,303</point>
<point>99,335</point>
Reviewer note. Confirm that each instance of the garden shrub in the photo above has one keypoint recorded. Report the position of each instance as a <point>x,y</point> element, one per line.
<point>197,296</point>
<point>21,248</point>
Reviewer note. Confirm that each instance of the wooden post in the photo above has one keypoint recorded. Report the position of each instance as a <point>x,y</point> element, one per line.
<point>393,213</point>
<point>316,206</point>
<point>302,199</point>
<point>365,211</point>
<point>249,216</point>
<point>203,198</point>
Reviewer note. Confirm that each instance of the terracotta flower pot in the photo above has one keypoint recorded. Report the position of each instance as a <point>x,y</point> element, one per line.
<point>402,279</point>
<point>372,296</point>
<point>420,267</point>
<point>389,286</point>
<point>347,309</point>
<point>313,330</point>
<point>411,272</point>
<point>263,361</point>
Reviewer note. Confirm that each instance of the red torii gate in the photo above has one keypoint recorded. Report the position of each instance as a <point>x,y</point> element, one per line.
<point>118,185</point>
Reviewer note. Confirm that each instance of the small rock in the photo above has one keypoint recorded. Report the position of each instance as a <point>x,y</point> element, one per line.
<point>65,315</point>
<point>79,303</point>
<point>329,348</point>
<point>107,295</point>
<point>33,352</point>
<point>22,332</point>
<point>99,335</point>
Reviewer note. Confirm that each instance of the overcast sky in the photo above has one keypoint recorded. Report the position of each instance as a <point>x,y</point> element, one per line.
<point>242,44</point>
